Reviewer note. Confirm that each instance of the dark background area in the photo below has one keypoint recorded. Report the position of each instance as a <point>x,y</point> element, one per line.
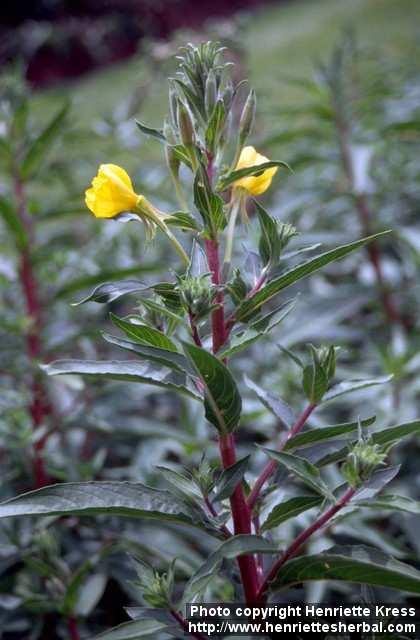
<point>59,39</point>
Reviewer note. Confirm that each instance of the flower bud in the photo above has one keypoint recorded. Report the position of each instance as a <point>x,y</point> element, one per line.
<point>173,103</point>
<point>197,293</point>
<point>210,95</point>
<point>361,462</point>
<point>246,121</point>
<point>185,125</point>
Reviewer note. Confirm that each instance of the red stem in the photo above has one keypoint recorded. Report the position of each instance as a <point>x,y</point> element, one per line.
<point>241,516</point>
<point>38,407</point>
<point>214,513</point>
<point>271,466</point>
<point>74,631</point>
<point>302,538</point>
<point>218,315</point>
<point>194,330</point>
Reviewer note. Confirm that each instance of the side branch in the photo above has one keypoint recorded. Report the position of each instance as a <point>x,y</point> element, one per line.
<point>303,537</point>
<point>270,467</point>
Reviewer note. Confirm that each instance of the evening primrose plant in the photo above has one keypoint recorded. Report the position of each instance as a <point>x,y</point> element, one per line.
<point>183,337</point>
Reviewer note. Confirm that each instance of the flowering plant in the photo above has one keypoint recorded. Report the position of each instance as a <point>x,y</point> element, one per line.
<point>221,301</point>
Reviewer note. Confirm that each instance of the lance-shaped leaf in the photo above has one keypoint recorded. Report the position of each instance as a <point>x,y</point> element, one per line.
<point>302,469</point>
<point>183,220</point>
<point>131,499</point>
<point>43,142</point>
<point>274,404</point>
<point>116,370</point>
<point>171,359</point>
<point>222,403</point>
<point>230,478</point>
<point>209,204</point>
<point>290,509</point>
<point>389,502</point>
<point>230,178</point>
<point>110,291</point>
<point>314,436</point>
<point>13,222</point>
<point>353,385</point>
<point>229,550</point>
<point>146,628</point>
<point>251,305</point>
<point>143,334</point>
<point>149,131</point>
<point>257,330</point>
<point>385,438</point>
<point>359,564</point>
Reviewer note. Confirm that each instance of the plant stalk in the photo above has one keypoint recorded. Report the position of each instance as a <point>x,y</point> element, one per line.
<point>302,538</point>
<point>73,629</point>
<point>241,516</point>
<point>218,315</point>
<point>271,466</point>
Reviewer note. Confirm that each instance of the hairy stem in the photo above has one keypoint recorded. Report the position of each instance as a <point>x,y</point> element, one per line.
<point>73,629</point>
<point>271,466</point>
<point>302,538</point>
<point>241,516</point>
<point>218,315</point>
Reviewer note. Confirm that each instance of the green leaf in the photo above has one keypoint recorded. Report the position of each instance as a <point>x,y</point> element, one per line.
<point>314,436</point>
<point>354,385</point>
<point>257,330</point>
<point>363,565</point>
<point>181,153</point>
<point>171,359</point>
<point>392,503</point>
<point>215,126</point>
<point>208,203</point>
<point>384,438</point>
<point>394,434</point>
<point>278,407</point>
<point>315,379</point>
<point>116,370</point>
<point>229,550</point>
<point>144,334</point>
<point>269,245</point>
<point>131,499</point>
<point>133,630</point>
<point>230,478</point>
<point>13,223</point>
<point>249,306</point>
<point>42,144</point>
<point>255,170</point>
<point>182,484</point>
<point>223,403</point>
<point>183,220</point>
<point>149,131</point>
<point>301,468</point>
<point>289,509</point>
<point>104,293</point>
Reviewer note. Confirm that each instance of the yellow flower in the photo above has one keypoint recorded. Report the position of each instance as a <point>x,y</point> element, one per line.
<point>255,185</point>
<point>111,192</point>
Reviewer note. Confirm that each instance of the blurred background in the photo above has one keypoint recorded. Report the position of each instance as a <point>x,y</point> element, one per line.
<point>338,86</point>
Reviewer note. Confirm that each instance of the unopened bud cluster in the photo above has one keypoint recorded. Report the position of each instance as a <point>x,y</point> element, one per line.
<point>197,294</point>
<point>362,461</point>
